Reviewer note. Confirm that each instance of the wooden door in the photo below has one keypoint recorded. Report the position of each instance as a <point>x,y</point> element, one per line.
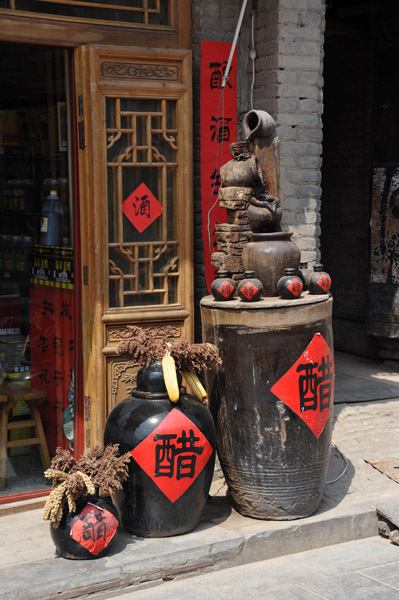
<point>134,129</point>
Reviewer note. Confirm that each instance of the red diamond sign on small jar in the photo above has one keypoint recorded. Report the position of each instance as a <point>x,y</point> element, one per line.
<point>226,288</point>
<point>308,386</point>
<point>295,287</point>
<point>249,290</point>
<point>94,528</point>
<point>141,208</point>
<point>173,454</point>
<point>324,282</point>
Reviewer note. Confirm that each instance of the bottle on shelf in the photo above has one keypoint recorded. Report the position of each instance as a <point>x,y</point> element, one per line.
<point>51,222</point>
<point>18,253</point>
<point>27,254</point>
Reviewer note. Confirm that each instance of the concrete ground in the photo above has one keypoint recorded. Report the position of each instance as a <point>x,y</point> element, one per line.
<point>360,570</point>
<point>366,429</point>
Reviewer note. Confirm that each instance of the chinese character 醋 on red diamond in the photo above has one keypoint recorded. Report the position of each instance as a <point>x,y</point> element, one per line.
<point>295,287</point>
<point>226,288</point>
<point>173,454</point>
<point>308,386</point>
<point>94,529</point>
<point>141,207</point>
<point>249,290</point>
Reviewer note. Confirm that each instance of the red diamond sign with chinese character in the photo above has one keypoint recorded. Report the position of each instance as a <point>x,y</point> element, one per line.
<point>324,282</point>
<point>226,288</point>
<point>173,454</point>
<point>295,287</point>
<point>249,290</point>
<point>95,528</point>
<point>141,208</point>
<point>308,386</point>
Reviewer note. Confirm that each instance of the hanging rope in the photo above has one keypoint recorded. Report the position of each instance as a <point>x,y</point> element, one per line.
<point>252,52</point>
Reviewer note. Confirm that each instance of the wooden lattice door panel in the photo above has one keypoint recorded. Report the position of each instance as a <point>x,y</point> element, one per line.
<point>135,139</point>
<point>142,161</point>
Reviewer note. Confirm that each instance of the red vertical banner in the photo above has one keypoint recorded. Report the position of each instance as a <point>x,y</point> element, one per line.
<point>52,348</point>
<point>218,131</point>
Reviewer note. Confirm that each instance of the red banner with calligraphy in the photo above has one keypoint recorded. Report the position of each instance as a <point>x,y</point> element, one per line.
<point>52,351</point>
<point>218,131</point>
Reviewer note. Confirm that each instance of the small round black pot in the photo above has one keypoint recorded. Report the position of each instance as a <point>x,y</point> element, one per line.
<point>89,532</point>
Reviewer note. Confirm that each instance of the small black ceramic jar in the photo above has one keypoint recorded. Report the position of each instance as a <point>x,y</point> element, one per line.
<point>303,273</point>
<point>222,287</point>
<point>318,282</point>
<point>89,532</point>
<point>250,289</point>
<point>289,286</point>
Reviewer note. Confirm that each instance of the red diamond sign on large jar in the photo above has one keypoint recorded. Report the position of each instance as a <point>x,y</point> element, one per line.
<point>141,207</point>
<point>173,454</point>
<point>308,386</point>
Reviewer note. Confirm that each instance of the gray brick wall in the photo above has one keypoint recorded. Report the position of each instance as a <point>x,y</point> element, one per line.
<point>289,44</point>
<point>289,37</point>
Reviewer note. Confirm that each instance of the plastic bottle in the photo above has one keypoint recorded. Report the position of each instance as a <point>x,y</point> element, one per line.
<point>3,243</point>
<point>63,186</point>
<point>18,195</point>
<point>52,216</point>
<point>8,195</point>
<point>18,259</point>
<point>48,184</point>
<point>27,254</point>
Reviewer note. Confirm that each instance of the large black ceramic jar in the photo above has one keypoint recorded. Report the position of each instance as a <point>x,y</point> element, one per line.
<point>173,451</point>
<point>89,532</point>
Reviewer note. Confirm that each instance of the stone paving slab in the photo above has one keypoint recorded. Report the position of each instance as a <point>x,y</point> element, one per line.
<point>364,569</point>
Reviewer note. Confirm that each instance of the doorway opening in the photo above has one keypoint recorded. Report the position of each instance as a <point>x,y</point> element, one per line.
<point>37,289</point>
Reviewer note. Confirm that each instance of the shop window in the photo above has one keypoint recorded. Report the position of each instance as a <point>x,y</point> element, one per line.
<point>37,296</point>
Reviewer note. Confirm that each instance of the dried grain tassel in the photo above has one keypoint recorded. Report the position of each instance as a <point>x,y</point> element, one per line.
<point>196,386</point>
<point>170,377</point>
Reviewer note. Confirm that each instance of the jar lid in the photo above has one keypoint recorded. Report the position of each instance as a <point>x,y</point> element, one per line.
<point>249,274</point>
<point>222,273</point>
<point>289,271</point>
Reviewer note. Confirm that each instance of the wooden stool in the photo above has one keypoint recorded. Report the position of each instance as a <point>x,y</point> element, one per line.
<point>10,394</point>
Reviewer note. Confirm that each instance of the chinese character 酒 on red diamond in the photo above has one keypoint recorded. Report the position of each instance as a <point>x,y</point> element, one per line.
<point>141,208</point>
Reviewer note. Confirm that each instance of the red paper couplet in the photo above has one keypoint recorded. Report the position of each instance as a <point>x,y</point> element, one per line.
<point>52,348</point>
<point>173,454</point>
<point>94,529</point>
<point>218,131</point>
<point>141,207</point>
<point>308,386</point>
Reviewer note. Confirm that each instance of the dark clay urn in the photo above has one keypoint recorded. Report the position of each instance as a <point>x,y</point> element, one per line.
<point>173,450</point>
<point>318,282</point>
<point>250,288</point>
<point>223,287</point>
<point>289,286</point>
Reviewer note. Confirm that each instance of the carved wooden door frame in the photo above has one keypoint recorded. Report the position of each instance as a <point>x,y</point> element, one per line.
<point>102,73</point>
